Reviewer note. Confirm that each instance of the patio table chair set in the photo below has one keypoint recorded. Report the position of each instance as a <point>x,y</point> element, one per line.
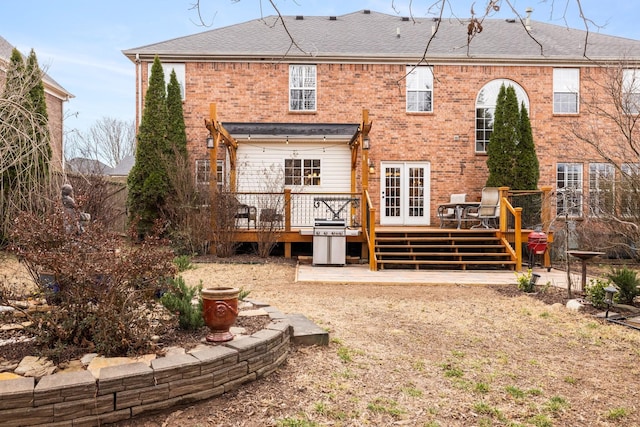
<point>460,211</point>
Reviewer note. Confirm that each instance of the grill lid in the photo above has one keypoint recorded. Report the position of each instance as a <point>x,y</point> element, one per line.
<point>320,222</point>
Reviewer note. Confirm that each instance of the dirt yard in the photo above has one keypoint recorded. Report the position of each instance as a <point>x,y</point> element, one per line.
<point>426,356</point>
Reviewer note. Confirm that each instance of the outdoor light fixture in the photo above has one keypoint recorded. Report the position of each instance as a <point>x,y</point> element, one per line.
<point>609,292</point>
<point>209,141</point>
<point>372,167</point>
<point>365,143</point>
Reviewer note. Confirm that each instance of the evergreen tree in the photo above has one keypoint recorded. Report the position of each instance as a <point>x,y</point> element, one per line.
<point>502,151</point>
<point>38,106</point>
<point>148,181</point>
<point>528,167</point>
<point>176,131</point>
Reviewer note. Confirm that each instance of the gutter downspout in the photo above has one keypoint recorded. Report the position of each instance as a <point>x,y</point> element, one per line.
<point>139,106</point>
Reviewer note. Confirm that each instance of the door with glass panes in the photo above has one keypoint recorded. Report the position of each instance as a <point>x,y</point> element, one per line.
<point>404,194</point>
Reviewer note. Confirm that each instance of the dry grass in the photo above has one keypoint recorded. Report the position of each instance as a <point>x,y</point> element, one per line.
<point>426,356</point>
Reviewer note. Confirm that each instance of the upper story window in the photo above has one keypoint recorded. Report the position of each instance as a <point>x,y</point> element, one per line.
<point>486,108</point>
<point>179,68</point>
<point>302,87</point>
<point>569,185</point>
<point>566,84</point>
<point>419,89</point>
<point>631,91</point>
<point>301,171</point>
<point>601,189</point>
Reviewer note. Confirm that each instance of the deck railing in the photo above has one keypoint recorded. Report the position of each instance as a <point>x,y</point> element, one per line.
<point>369,230</point>
<point>300,210</point>
<point>511,227</point>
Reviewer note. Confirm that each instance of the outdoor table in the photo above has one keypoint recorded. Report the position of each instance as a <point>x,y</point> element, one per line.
<point>459,209</point>
<point>584,256</point>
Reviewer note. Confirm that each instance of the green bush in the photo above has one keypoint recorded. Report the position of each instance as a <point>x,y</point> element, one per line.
<point>627,282</point>
<point>525,283</point>
<point>183,263</point>
<point>595,292</point>
<point>179,299</point>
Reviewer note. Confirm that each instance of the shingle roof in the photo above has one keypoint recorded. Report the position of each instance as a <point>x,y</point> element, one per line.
<point>374,37</point>
<point>6,50</point>
<point>292,130</point>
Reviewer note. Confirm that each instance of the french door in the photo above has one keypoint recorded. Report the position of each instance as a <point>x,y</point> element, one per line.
<point>404,193</point>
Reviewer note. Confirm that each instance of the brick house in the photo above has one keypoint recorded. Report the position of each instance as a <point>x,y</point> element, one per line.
<point>305,96</point>
<point>55,96</point>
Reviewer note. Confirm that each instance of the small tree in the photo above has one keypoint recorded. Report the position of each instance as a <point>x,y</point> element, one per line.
<point>502,151</point>
<point>148,180</point>
<point>109,140</point>
<point>527,171</point>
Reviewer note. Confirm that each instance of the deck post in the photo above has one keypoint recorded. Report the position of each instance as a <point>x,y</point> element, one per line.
<point>213,171</point>
<point>518,238</point>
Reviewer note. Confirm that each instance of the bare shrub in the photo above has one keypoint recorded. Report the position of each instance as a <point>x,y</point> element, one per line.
<point>224,205</point>
<point>187,210</point>
<point>103,287</point>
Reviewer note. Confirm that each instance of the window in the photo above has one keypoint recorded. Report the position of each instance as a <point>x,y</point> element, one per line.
<point>601,186</point>
<point>630,190</point>
<point>311,172</point>
<point>419,89</point>
<point>302,87</point>
<point>486,107</point>
<point>566,83</point>
<point>179,68</point>
<point>301,171</point>
<point>569,185</point>
<point>203,172</point>
<point>631,91</point>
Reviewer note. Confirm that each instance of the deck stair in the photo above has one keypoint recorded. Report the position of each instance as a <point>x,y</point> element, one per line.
<point>431,248</point>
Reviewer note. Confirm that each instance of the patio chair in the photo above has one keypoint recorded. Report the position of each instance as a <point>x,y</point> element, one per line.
<point>247,212</point>
<point>270,218</point>
<point>488,210</point>
<point>447,213</point>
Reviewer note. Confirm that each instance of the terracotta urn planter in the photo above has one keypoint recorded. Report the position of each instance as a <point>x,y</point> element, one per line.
<point>220,310</point>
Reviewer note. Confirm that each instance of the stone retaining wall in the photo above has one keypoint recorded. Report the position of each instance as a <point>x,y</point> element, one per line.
<point>125,391</point>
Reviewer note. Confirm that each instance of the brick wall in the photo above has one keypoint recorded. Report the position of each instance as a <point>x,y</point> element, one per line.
<point>258,92</point>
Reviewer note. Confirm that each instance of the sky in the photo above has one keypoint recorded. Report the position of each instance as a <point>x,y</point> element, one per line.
<point>80,42</point>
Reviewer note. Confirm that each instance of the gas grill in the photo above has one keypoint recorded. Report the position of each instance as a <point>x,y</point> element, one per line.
<point>329,242</point>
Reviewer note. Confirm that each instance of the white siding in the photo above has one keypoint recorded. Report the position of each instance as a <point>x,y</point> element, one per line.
<point>260,169</point>
<point>259,161</point>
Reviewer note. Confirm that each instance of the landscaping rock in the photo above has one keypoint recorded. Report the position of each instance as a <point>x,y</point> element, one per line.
<point>37,367</point>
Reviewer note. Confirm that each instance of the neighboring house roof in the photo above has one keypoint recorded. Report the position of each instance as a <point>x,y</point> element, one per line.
<point>86,166</point>
<point>371,36</point>
<point>50,84</point>
<point>123,168</point>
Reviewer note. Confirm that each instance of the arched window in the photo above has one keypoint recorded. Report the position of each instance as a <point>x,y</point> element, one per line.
<point>486,107</point>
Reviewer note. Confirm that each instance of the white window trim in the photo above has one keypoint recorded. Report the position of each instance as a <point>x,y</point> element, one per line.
<point>566,81</point>
<point>631,91</point>
<point>305,179</point>
<point>599,174</point>
<point>302,87</point>
<point>419,79</point>
<point>574,211</point>
<point>179,68</point>
<point>629,171</point>
<point>491,107</point>
<point>205,164</point>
